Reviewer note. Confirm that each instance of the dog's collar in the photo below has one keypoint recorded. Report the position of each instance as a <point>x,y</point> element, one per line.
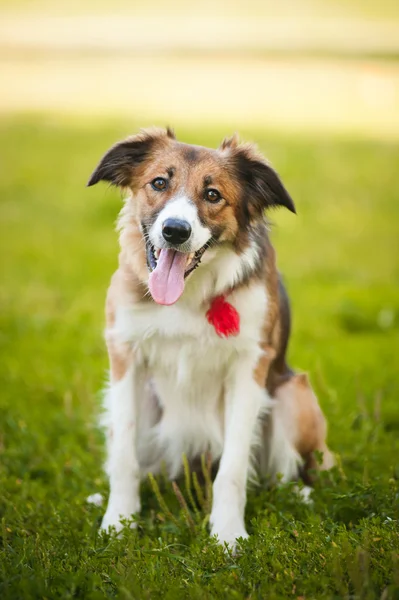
<point>224,317</point>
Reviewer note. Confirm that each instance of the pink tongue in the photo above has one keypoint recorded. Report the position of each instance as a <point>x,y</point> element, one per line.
<point>166,282</point>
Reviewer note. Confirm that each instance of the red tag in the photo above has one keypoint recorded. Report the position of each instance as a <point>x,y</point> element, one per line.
<point>224,317</point>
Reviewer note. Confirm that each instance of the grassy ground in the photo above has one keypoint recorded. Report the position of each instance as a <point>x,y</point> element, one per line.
<point>340,258</point>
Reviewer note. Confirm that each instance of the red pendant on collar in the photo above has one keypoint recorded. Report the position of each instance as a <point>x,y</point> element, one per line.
<point>224,317</point>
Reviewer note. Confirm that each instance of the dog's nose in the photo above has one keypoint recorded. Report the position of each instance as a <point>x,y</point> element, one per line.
<point>176,231</point>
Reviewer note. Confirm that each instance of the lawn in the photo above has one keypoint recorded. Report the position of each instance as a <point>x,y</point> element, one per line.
<point>340,259</point>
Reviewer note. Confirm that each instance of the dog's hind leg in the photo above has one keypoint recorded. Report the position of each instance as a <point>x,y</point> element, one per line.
<point>294,432</point>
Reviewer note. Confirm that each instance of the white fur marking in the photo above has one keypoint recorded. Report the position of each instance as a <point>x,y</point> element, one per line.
<point>182,410</point>
<point>181,207</point>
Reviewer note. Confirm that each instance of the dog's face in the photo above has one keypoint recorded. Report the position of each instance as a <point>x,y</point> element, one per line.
<point>189,198</point>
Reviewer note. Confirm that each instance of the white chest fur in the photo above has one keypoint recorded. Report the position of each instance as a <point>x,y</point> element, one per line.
<point>187,363</point>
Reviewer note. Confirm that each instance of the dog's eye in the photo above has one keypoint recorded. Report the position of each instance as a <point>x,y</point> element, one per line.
<point>160,184</point>
<point>212,196</point>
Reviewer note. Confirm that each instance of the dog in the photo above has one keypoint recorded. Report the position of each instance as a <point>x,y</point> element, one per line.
<point>197,327</point>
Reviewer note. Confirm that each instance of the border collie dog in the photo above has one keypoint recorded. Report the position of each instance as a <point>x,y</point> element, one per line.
<point>197,327</point>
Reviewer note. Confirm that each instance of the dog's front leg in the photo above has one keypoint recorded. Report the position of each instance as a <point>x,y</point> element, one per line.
<point>245,398</point>
<point>122,464</point>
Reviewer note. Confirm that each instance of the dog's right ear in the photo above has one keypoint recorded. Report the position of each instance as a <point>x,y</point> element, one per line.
<point>118,164</point>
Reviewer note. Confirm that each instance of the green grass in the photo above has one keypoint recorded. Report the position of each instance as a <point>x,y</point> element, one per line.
<point>340,258</point>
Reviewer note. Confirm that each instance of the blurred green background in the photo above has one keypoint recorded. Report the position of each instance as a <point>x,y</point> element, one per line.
<point>316,85</point>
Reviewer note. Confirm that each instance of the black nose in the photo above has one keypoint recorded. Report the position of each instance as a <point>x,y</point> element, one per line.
<point>176,231</point>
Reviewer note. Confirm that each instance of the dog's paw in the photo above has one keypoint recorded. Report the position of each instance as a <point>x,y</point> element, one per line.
<point>116,513</point>
<point>112,520</point>
<point>229,533</point>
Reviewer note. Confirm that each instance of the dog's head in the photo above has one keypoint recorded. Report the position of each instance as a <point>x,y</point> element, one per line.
<point>189,198</point>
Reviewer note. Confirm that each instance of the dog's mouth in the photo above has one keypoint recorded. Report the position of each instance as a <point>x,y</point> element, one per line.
<point>168,270</point>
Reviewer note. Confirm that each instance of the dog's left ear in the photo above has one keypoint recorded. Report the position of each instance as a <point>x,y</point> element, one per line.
<point>118,164</point>
<point>263,188</point>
